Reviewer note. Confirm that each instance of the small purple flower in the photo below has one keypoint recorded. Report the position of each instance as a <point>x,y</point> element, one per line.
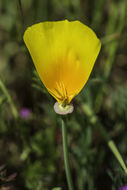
<point>123,188</point>
<point>25,113</point>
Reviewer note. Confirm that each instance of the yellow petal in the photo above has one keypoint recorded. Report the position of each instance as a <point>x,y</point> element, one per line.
<point>64,54</point>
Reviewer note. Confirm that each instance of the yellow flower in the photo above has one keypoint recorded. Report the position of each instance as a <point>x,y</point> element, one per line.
<point>64,53</point>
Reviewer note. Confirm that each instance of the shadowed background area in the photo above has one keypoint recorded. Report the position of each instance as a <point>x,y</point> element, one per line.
<point>31,154</point>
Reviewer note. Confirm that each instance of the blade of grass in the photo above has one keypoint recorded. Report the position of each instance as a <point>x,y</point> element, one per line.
<point>115,151</point>
<point>10,101</point>
<point>96,123</point>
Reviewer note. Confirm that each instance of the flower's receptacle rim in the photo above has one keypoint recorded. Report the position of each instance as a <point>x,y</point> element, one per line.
<point>59,109</point>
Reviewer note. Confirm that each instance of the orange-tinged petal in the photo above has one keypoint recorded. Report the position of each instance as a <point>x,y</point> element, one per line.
<point>64,54</point>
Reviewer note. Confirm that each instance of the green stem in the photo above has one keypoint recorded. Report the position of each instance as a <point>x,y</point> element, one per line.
<point>21,15</point>
<point>66,157</point>
<point>95,122</point>
<point>117,154</point>
<point>112,146</point>
<point>6,93</point>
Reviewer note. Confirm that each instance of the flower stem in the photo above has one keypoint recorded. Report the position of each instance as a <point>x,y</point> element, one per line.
<point>66,157</point>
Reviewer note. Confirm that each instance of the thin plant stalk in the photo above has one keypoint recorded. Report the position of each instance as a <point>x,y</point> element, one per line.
<point>66,157</point>
<point>21,15</point>
<point>111,144</point>
<point>118,156</point>
<point>10,101</point>
<point>113,148</point>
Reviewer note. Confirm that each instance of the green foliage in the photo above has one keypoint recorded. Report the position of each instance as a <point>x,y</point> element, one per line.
<point>56,188</point>
<point>32,147</point>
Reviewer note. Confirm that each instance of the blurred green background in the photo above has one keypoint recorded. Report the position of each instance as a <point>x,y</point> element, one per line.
<point>30,130</point>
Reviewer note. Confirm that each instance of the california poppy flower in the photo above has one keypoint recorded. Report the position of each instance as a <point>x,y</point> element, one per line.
<point>64,53</point>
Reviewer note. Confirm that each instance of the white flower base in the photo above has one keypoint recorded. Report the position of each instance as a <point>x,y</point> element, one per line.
<point>59,109</point>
